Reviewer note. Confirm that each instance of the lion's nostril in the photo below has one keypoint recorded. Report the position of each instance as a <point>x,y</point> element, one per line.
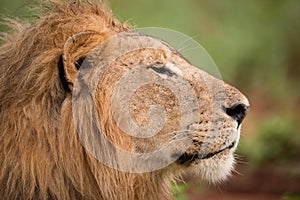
<point>237,112</point>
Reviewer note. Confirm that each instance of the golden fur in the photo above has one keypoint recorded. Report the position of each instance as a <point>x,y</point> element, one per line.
<point>40,152</point>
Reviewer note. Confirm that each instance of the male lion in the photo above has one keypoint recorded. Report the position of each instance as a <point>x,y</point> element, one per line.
<point>90,109</point>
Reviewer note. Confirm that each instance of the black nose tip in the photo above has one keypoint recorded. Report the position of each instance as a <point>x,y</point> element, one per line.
<point>237,112</point>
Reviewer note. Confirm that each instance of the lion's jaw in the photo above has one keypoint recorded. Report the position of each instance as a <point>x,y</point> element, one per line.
<point>219,165</point>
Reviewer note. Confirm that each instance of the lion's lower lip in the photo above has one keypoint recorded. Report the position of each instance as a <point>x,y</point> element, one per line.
<point>188,158</point>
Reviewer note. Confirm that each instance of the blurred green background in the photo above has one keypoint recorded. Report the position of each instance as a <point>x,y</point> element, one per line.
<point>256,45</point>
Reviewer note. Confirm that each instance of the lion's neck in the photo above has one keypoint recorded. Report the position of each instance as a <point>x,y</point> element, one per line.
<point>155,187</point>
<point>89,176</point>
<point>136,186</point>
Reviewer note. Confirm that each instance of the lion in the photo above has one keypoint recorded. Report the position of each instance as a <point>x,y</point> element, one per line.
<point>84,97</point>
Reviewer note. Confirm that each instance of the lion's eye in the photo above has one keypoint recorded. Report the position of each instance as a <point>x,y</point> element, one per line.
<point>162,70</point>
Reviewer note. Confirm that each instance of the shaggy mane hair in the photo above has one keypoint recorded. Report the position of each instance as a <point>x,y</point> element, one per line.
<point>41,156</point>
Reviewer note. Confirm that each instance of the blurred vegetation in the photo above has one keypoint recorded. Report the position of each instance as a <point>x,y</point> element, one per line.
<point>256,46</point>
<point>277,141</point>
<point>179,190</point>
<point>291,197</point>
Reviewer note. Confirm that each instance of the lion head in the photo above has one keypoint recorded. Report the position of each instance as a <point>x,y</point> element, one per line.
<point>91,109</point>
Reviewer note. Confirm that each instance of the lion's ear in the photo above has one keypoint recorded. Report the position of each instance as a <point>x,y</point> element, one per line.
<point>75,50</point>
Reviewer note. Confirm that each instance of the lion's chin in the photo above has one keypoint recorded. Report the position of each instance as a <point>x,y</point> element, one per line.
<point>215,169</point>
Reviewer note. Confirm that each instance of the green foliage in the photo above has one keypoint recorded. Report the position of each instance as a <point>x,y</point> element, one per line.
<point>277,141</point>
<point>17,9</point>
<point>291,197</point>
<point>178,190</point>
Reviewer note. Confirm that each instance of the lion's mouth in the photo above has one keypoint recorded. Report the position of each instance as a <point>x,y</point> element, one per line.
<point>188,158</point>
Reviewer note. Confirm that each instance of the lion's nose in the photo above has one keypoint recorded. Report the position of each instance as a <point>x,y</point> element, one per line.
<point>237,112</point>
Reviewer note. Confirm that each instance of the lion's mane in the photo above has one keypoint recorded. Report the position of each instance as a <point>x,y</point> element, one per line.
<point>40,153</point>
